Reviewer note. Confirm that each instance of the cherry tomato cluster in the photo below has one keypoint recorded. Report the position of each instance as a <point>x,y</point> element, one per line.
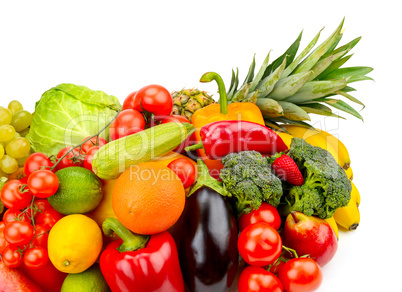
<point>149,106</point>
<point>271,266</point>
<point>26,223</point>
<point>29,217</point>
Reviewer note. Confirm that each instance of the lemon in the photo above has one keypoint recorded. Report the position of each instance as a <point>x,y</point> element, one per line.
<point>74,243</point>
<point>89,280</point>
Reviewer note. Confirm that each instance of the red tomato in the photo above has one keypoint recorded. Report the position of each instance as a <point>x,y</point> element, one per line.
<point>13,197</point>
<point>129,102</point>
<point>41,235</point>
<point>128,122</point>
<point>256,279</point>
<point>43,183</point>
<point>11,257</point>
<point>266,213</point>
<point>73,158</point>
<point>184,169</point>
<point>36,161</point>
<point>3,241</point>
<point>49,217</point>
<point>15,215</point>
<point>155,99</point>
<point>189,140</point>
<point>95,141</point>
<point>300,275</point>
<point>259,244</point>
<point>18,232</point>
<point>89,156</point>
<point>36,258</point>
<point>43,204</point>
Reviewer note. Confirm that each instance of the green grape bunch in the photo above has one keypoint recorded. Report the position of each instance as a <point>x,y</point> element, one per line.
<point>14,147</point>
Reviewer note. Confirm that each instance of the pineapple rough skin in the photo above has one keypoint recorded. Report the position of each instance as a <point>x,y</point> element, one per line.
<point>248,177</point>
<point>187,101</point>
<point>326,186</point>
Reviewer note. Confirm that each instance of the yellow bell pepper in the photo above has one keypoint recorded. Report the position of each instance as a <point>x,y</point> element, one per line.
<point>241,111</point>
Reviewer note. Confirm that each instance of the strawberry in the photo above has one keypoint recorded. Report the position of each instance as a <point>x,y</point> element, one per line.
<point>286,169</point>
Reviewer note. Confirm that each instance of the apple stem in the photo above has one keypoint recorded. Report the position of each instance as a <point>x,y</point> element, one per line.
<point>293,213</point>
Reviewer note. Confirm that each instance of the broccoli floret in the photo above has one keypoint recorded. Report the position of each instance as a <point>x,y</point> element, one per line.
<point>247,176</point>
<point>326,186</point>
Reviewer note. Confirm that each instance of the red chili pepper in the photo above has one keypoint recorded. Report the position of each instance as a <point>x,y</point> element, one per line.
<point>140,262</point>
<point>224,137</point>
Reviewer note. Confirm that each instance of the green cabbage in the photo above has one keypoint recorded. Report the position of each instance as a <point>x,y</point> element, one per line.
<point>68,113</point>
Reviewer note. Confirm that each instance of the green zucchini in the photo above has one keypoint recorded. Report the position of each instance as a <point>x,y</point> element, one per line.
<point>115,157</point>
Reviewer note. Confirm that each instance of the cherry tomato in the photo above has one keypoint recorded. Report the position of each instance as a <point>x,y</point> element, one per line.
<point>41,235</point>
<point>73,158</point>
<point>49,217</point>
<point>43,183</point>
<point>128,122</point>
<point>266,213</point>
<point>35,162</point>
<point>180,119</point>
<point>95,141</point>
<point>12,257</point>
<point>18,232</point>
<point>3,242</point>
<point>89,156</point>
<point>259,244</point>
<point>129,102</point>
<point>256,279</point>
<point>43,204</point>
<point>36,258</point>
<point>13,197</point>
<point>155,99</point>
<point>300,275</point>
<point>15,215</point>
<point>184,169</point>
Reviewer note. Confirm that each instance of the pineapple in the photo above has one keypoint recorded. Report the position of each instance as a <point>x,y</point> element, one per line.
<point>187,101</point>
<point>292,87</point>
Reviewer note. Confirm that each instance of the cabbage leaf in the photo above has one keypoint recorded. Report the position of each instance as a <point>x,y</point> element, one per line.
<point>68,113</point>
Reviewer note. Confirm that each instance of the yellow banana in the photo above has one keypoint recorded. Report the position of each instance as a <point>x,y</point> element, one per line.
<point>349,173</point>
<point>317,137</point>
<point>348,217</point>
<point>331,221</point>
<point>344,158</point>
<point>287,139</point>
<point>355,195</point>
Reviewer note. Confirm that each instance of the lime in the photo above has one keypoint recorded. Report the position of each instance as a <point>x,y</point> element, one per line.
<point>89,280</point>
<point>80,191</point>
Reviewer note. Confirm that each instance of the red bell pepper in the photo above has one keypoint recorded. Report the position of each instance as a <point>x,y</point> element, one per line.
<point>51,282</point>
<point>224,137</point>
<point>140,262</point>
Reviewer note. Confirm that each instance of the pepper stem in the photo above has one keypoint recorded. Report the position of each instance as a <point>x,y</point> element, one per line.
<point>194,147</point>
<point>223,101</point>
<point>131,241</point>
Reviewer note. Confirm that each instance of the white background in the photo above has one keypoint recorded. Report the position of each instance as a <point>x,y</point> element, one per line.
<point>120,46</point>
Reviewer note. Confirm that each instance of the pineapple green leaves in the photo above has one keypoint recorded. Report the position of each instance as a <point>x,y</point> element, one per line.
<point>293,86</point>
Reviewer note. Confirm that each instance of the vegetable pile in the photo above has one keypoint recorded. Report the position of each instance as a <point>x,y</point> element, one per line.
<point>177,192</point>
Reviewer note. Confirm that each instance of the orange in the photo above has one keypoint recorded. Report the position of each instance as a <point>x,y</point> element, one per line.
<point>148,198</point>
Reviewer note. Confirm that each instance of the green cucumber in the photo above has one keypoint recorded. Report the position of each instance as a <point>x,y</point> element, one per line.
<point>115,157</point>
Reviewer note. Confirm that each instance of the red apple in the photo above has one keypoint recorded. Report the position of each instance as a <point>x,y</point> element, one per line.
<point>310,235</point>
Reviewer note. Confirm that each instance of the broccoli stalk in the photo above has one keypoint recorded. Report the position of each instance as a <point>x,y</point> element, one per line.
<point>326,186</point>
<point>248,177</point>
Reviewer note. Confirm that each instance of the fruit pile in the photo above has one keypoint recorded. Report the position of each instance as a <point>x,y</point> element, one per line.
<point>178,192</point>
